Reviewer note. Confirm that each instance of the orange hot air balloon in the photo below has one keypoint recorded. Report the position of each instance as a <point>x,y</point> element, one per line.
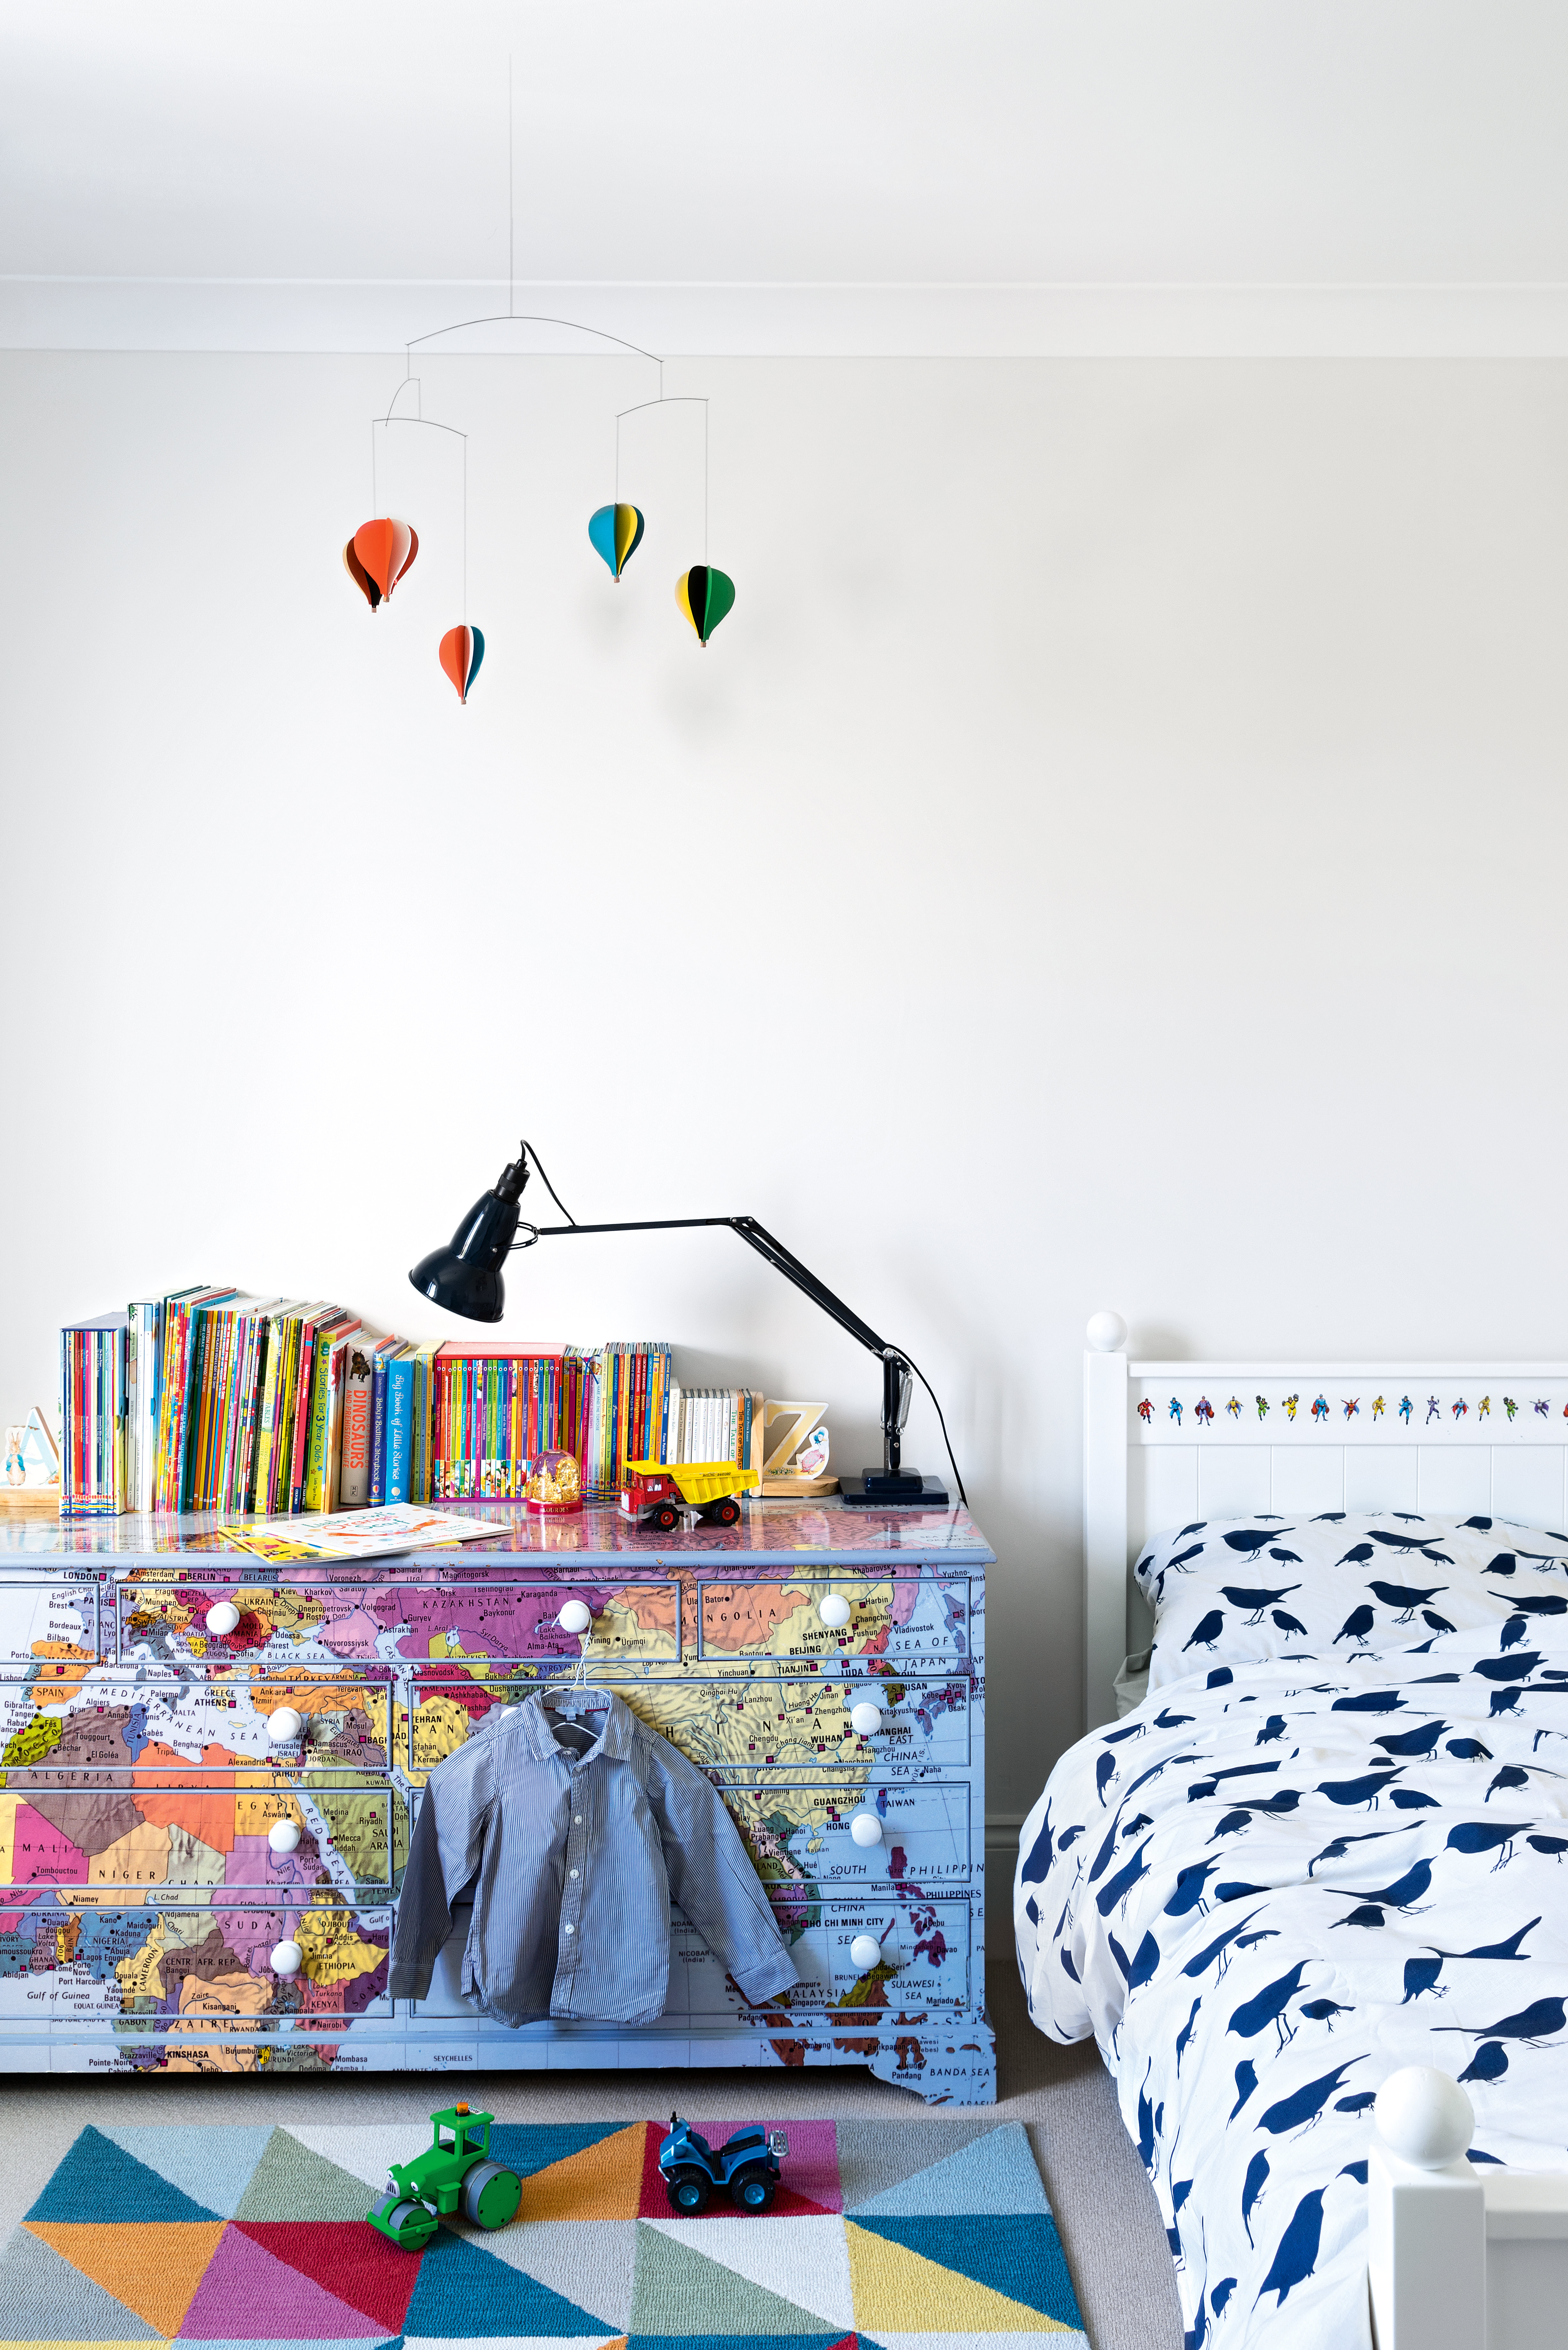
<point>461,651</point>
<point>384,549</point>
<point>360,577</point>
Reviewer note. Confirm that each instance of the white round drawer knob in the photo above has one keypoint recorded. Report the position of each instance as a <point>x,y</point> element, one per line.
<point>287,1958</point>
<point>283,1836</point>
<point>1424,2116</point>
<point>865,1828</point>
<point>865,1951</point>
<point>575,1616</point>
<point>284,1723</point>
<point>834,1610</point>
<point>223,1618</point>
<point>865,1719</point>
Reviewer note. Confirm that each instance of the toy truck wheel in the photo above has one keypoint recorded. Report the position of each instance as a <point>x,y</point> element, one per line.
<point>409,2224</point>
<point>688,2191</point>
<point>666,1517</point>
<point>491,2194</point>
<point>753,2189</point>
<point>725,1512</point>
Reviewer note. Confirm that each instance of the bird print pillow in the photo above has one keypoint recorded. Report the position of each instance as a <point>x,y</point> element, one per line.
<point>1229,1592</point>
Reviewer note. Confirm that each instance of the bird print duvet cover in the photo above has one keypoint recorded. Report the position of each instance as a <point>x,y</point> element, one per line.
<point>1285,1876</point>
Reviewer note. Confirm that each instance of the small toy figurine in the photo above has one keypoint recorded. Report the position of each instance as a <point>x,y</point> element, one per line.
<point>454,2174</point>
<point>706,1489</point>
<point>748,2165</point>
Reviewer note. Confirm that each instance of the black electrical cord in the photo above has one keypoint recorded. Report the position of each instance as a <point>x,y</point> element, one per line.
<point>529,1152</point>
<point>947,1440</point>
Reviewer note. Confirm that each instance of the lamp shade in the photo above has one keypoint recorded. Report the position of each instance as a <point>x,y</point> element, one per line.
<point>465,1276</point>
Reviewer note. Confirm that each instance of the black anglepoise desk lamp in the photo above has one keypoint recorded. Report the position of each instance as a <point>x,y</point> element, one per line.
<point>465,1277</point>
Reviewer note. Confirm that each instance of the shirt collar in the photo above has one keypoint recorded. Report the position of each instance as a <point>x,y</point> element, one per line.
<point>615,1739</point>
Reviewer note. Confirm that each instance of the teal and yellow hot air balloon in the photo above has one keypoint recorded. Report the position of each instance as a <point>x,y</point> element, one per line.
<point>704,595</point>
<point>617,533</point>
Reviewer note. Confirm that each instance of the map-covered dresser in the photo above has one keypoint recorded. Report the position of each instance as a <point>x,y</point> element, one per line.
<point>179,1807</point>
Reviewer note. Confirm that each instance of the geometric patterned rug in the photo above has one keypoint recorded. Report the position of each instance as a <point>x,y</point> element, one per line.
<point>885,2235</point>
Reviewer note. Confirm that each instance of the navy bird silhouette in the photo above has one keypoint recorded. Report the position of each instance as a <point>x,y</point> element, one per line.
<point>1330,1518</point>
<point>1253,2187</point>
<point>1246,2081</point>
<point>1478,1525</point>
<point>1541,1603</point>
<point>1305,2104</point>
<point>1143,1964</point>
<point>1507,1669</point>
<point>1235,1892</point>
<point>1324,2010</point>
<point>1251,1539</point>
<point>1396,1542</point>
<point>1231,1824</point>
<point>1115,1889</point>
<point>1421,1977</point>
<point>1512,1632</point>
<point>1489,2062</point>
<point>1508,1949</point>
<point>1222,2294</point>
<point>1468,1750</point>
<point>1166,1720</point>
<point>1289,1626</point>
<point>1137,1828</point>
<point>1368,1700</point>
<point>1402,1894</point>
<point>1189,1883</point>
<point>1273,1729</point>
<point>1542,2019</point>
<point>1179,1564</point>
<point>1368,1914</point>
<point>1201,1788</point>
<point>1510,1775</point>
<point>1195,1528</point>
<point>1296,2256</point>
<point>1503,1700</point>
<point>1268,2006</point>
<point>1220,1949</point>
<point>1286,1557</point>
<point>1341,1845</point>
<point>1256,1600</point>
<point>1410,1799</point>
<point>1503,1563</point>
<point>1554,1847</point>
<point>1412,1742</point>
<point>1104,1771</point>
<point>1184,2037</point>
<point>1356,2105</point>
<point>1356,1556</point>
<point>1438,1623</point>
<point>1356,1626</point>
<point>1395,1595</point>
<point>1207,1632</point>
<point>1359,1791</point>
<point>1486,1835</point>
<point>1145,2124</point>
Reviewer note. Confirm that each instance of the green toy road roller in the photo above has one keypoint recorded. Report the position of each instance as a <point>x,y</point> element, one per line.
<point>455,2175</point>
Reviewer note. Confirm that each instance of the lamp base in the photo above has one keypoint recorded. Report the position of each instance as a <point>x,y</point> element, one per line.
<point>903,1489</point>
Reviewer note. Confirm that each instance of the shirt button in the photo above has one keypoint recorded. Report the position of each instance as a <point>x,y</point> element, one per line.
<point>571,1872</point>
<point>576,1819</point>
<point>570,1927</point>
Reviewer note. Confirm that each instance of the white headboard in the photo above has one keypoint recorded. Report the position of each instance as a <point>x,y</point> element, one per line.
<point>1166,1443</point>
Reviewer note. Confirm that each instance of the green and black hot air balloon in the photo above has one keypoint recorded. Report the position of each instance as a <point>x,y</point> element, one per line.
<point>704,595</point>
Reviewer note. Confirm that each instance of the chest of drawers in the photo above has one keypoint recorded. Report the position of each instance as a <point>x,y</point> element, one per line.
<point>145,1761</point>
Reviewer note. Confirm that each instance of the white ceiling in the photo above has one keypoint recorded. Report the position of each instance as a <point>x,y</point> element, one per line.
<point>822,176</point>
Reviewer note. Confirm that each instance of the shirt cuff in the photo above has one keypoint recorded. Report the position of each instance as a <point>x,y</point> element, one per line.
<point>767,1977</point>
<point>408,1981</point>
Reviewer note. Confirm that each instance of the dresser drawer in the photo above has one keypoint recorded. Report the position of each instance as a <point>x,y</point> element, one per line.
<point>926,1953</point>
<point>50,1623</point>
<point>75,1961</point>
<point>208,1836</point>
<point>897,1620</point>
<point>799,1830</point>
<point>105,1719</point>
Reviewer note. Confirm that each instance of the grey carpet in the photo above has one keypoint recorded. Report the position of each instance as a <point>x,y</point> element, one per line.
<point>1063,2096</point>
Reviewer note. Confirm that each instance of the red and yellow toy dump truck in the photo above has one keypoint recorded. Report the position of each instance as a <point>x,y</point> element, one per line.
<point>705,1491</point>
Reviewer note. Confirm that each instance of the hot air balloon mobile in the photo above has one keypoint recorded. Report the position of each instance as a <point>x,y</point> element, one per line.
<point>704,595</point>
<point>376,556</point>
<point>617,534</point>
<point>461,651</point>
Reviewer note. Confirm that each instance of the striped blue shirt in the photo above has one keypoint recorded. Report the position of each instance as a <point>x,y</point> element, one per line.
<point>573,1859</point>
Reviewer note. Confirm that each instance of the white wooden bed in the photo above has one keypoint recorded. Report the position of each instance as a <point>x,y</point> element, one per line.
<point>1459,2258</point>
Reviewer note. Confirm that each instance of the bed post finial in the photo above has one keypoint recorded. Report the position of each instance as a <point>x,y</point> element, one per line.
<point>1106,1334</point>
<point>1423,2117</point>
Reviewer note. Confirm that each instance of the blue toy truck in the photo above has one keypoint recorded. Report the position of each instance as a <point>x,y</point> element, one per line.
<point>748,2165</point>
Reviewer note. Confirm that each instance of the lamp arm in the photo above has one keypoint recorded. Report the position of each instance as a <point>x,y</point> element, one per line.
<point>755,1236</point>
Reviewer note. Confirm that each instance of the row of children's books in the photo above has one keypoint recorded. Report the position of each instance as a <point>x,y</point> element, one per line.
<point>207,1399</point>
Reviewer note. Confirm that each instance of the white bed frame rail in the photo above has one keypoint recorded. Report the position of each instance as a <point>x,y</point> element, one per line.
<point>1460,2257</point>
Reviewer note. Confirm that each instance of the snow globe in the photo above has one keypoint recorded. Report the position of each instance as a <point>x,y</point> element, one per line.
<point>554,1484</point>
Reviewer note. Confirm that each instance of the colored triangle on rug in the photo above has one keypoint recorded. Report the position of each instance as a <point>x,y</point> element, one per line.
<point>677,2291</point>
<point>803,2261</point>
<point>588,2262</point>
<point>874,2156</point>
<point>994,2174</point>
<point>462,2291</point>
<point>346,2257</point>
<point>97,2179</point>
<point>528,2148</point>
<point>246,2292</point>
<point>211,2164</point>
<point>1019,2257</point>
<point>292,2181</point>
<point>898,2291</point>
<point>152,2266</point>
<point>603,2182</point>
<point>654,2202</point>
<point>44,2299</point>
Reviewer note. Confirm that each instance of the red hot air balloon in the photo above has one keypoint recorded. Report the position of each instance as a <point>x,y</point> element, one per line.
<point>383,551</point>
<point>461,651</point>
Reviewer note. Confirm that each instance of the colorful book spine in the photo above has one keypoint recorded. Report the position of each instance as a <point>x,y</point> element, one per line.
<point>353,1492</point>
<point>400,1410</point>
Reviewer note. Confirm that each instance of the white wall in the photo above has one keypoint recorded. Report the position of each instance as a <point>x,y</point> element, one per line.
<point>1112,855</point>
